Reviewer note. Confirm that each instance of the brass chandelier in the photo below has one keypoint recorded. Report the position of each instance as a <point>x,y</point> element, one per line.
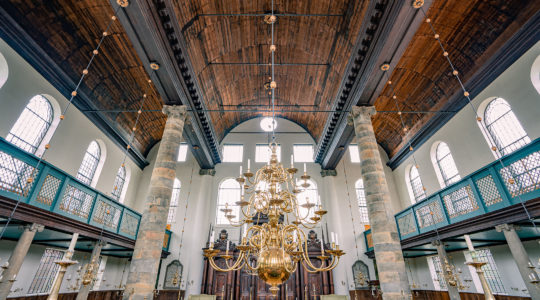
<point>273,250</point>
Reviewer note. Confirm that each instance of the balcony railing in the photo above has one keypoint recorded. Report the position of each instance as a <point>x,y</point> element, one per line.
<point>54,190</point>
<point>490,188</point>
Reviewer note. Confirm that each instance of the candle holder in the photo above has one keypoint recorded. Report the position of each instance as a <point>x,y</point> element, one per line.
<point>478,266</point>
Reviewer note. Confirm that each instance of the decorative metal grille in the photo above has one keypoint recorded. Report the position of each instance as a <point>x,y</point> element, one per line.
<point>503,127</point>
<point>32,125</point>
<point>429,214</point>
<point>488,190</point>
<point>362,204</point>
<point>89,163</point>
<point>76,202</point>
<point>460,202</point>
<point>171,217</point>
<point>416,184</point>
<point>14,174</point>
<point>439,275</point>
<point>406,224</point>
<point>119,183</point>
<point>491,273</point>
<point>526,175</point>
<point>48,190</point>
<point>46,272</point>
<point>106,214</point>
<point>446,164</point>
<point>129,224</point>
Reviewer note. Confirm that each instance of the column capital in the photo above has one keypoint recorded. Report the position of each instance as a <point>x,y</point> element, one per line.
<point>33,227</point>
<point>362,114</point>
<point>436,243</point>
<point>175,111</point>
<point>506,227</point>
<point>328,172</point>
<point>210,172</point>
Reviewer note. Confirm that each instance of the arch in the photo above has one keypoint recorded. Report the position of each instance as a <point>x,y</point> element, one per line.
<point>175,197</point>
<point>358,268</point>
<point>251,118</point>
<point>500,126</point>
<point>414,184</point>
<point>4,70</point>
<point>443,163</point>
<point>121,182</point>
<point>309,194</point>
<point>92,163</point>
<point>362,203</point>
<point>535,74</point>
<point>229,192</point>
<point>173,275</point>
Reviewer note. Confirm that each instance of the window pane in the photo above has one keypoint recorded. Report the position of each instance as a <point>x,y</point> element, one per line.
<point>438,275</point>
<point>233,153</point>
<point>228,194</point>
<point>362,204</point>
<point>353,152</point>
<point>263,151</point>
<point>416,184</point>
<point>32,124</point>
<point>446,164</point>
<point>308,195</point>
<point>491,273</point>
<point>182,152</point>
<point>504,127</point>
<point>89,164</point>
<point>303,153</point>
<point>46,272</point>
<point>119,183</point>
<point>171,218</point>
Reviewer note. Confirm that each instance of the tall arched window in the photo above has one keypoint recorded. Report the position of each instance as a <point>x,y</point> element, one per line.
<point>446,165</point>
<point>32,125</point>
<point>362,204</point>
<point>503,127</point>
<point>417,188</point>
<point>228,194</point>
<point>119,183</point>
<point>174,201</point>
<point>4,70</point>
<point>89,164</point>
<point>308,195</point>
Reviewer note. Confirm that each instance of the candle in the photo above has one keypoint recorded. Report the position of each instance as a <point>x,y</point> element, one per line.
<point>212,238</point>
<point>337,241</point>
<point>227,250</point>
<point>322,248</point>
<point>249,164</point>
<point>320,203</point>
<point>240,171</point>
<point>304,167</point>
<point>245,230</point>
<point>332,237</point>
<point>292,161</point>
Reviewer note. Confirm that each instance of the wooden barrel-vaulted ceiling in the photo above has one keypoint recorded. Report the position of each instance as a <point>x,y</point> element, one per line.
<point>324,53</point>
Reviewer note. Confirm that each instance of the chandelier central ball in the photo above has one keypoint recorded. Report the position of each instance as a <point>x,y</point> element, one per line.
<point>274,264</point>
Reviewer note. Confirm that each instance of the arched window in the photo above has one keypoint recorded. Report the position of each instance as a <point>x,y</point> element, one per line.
<point>446,165</point>
<point>417,188</point>
<point>174,201</point>
<point>503,127</point>
<point>32,125</point>
<point>362,204</point>
<point>89,164</point>
<point>119,183</point>
<point>308,195</point>
<point>4,70</point>
<point>228,194</point>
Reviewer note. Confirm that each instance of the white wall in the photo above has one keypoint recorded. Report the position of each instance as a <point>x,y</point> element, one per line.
<point>73,135</point>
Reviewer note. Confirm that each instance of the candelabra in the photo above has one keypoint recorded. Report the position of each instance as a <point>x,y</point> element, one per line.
<point>274,249</point>
<point>450,275</point>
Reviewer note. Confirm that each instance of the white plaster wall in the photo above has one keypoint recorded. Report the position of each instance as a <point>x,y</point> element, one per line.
<point>73,135</point>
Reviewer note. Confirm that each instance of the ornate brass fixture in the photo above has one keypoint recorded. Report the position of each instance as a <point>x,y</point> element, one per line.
<point>273,250</point>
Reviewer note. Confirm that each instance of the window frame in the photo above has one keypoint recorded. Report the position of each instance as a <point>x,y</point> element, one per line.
<point>182,152</point>
<point>303,145</point>
<point>220,201</point>
<point>93,167</point>
<point>175,200</point>
<point>444,180</point>
<point>262,146</point>
<point>237,160</point>
<point>361,201</point>
<point>51,271</point>
<point>119,182</point>
<point>352,156</point>
<point>415,183</point>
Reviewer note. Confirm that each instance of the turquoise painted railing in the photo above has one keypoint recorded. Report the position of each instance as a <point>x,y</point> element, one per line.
<point>54,190</point>
<point>488,189</point>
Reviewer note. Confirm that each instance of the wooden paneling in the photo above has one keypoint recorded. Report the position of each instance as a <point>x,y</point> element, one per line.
<point>430,295</point>
<point>96,295</point>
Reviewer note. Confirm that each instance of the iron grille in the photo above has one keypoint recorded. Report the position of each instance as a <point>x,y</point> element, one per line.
<point>48,190</point>
<point>488,190</point>
<point>106,214</point>
<point>406,224</point>
<point>526,175</point>
<point>460,202</point>
<point>429,214</point>
<point>129,224</point>
<point>76,202</point>
<point>14,175</point>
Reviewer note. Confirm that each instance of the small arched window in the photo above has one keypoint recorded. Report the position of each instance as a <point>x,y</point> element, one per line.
<point>503,127</point>
<point>4,70</point>
<point>171,217</point>
<point>446,164</point>
<point>89,164</point>
<point>308,195</point>
<point>119,183</point>
<point>228,194</point>
<point>362,204</point>
<point>417,188</point>
<point>32,125</point>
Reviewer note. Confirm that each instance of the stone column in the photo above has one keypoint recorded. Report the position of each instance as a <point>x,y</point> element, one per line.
<point>520,256</point>
<point>453,291</point>
<point>386,243</point>
<point>91,268</point>
<point>17,257</point>
<point>147,253</point>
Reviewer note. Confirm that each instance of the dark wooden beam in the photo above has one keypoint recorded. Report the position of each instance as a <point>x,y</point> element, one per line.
<point>387,29</point>
<point>25,46</point>
<point>526,37</point>
<point>153,29</point>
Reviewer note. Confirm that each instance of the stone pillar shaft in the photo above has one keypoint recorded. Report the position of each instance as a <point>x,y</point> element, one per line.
<point>17,257</point>
<point>520,256</point>
<point>386,243</point>
<point>94,259</point>
<point>453,291</point>
<point>147,253</point>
